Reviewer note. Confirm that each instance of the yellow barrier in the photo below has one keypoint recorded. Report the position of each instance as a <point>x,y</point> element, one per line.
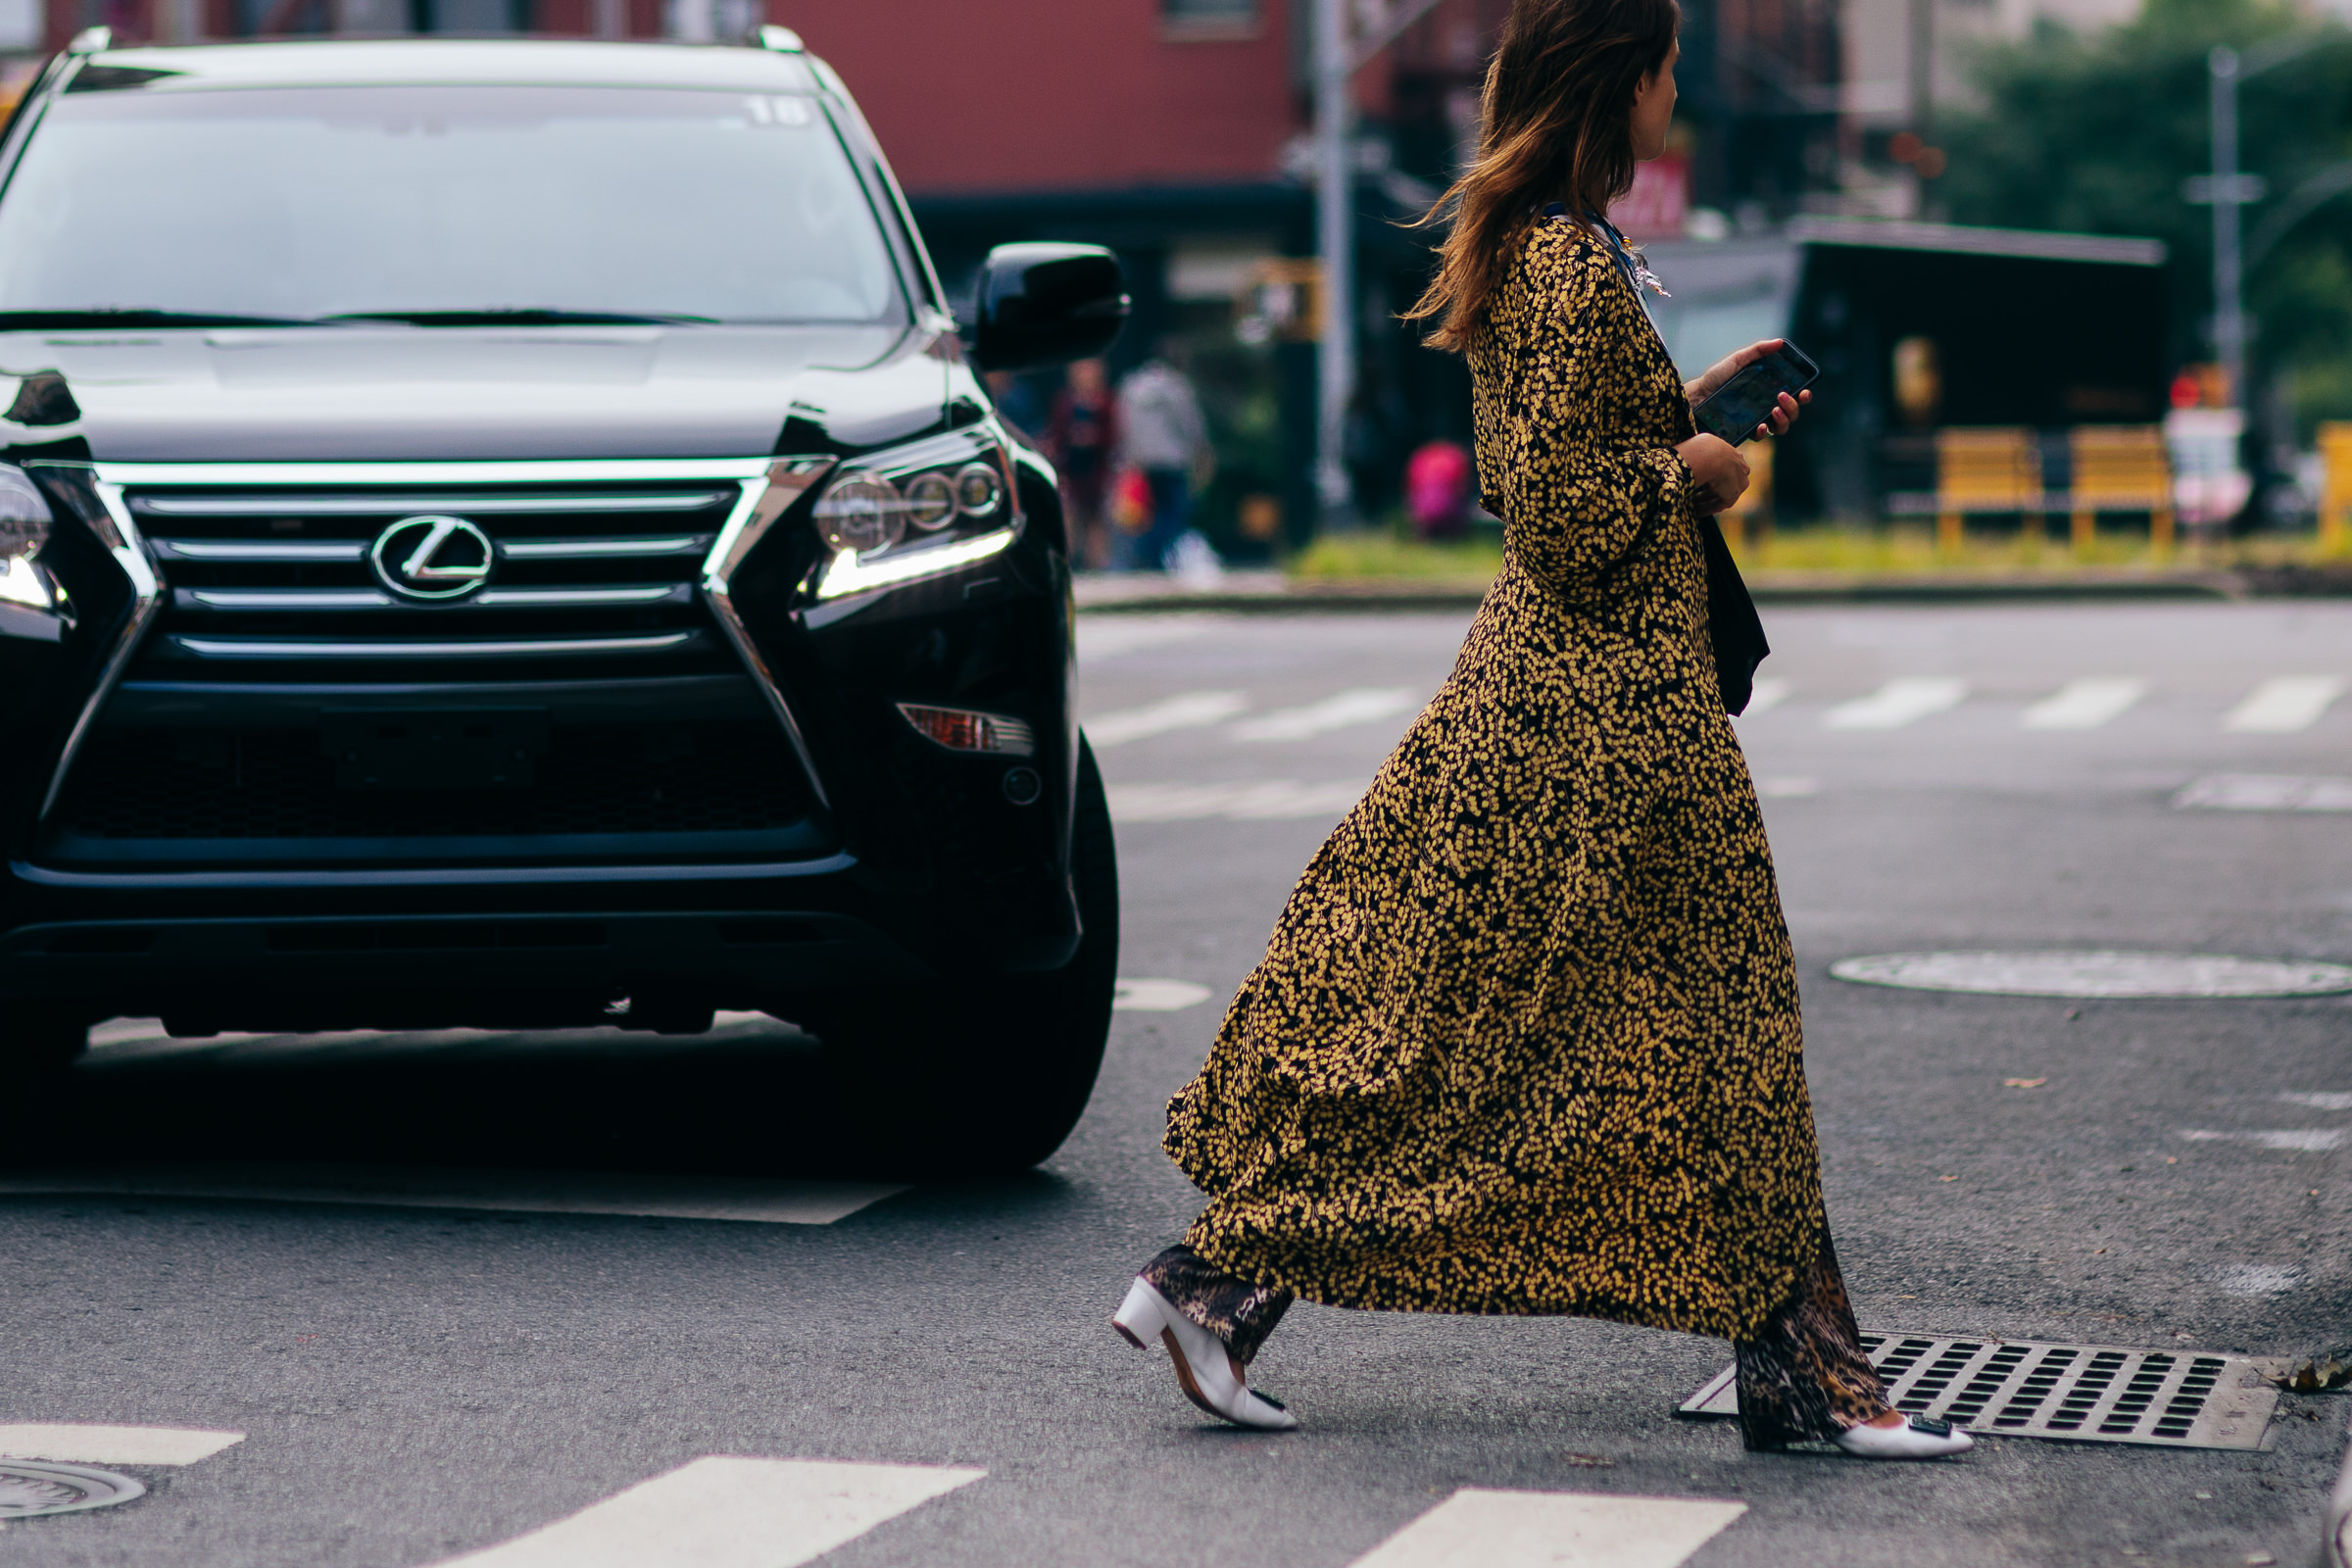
<point>2335,496</point>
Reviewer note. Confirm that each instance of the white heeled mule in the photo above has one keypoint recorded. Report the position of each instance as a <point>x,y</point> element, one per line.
<point>1203,1369</point>
<point>1916,1439</point>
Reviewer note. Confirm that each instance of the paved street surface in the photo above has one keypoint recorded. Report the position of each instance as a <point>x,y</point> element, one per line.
<point>456,1288</point>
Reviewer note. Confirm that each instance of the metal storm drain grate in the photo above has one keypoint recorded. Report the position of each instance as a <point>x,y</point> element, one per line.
<point>2072,1392</point>
<point>30,1486</point>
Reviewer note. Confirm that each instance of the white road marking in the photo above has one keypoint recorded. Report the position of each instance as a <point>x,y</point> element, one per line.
<point>2297,1140</point>
<point>728,1513</point>
<point>2257,1279</point>
<point>2284,704</point>
<point>2085,704</point>
<point>2328,1100</point>
<point>1157,995</point>
<point>2267,791</point>
<point>1265,800</point>
<point>1361,704</point>
<point>772,1202</point>
<point>1102,637</point>
<point>1185,711</point>
<point>1765,696</point>
<point>2096,974</point>
<point>1786,789</point>
<point>1551,1529</point>
<point>80,1443</point>
<point>1898,703</point>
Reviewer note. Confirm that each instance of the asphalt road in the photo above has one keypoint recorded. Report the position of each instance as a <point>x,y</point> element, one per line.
<point>414,1383</point>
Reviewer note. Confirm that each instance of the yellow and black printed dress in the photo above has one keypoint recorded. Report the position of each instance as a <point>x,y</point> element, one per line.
<point>1524,1039</point>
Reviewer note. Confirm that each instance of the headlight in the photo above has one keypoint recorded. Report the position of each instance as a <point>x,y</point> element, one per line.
<point>914,511</point>
<point>23,515</point>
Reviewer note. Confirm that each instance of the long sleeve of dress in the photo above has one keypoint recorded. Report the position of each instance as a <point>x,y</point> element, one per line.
<point>1573,502</point>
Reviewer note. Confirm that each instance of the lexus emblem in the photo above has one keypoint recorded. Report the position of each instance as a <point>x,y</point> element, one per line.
<point>432,559</point>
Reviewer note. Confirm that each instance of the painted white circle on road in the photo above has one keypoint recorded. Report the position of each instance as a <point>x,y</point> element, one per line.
<point>2096,974</point>
<point>1157,995</point>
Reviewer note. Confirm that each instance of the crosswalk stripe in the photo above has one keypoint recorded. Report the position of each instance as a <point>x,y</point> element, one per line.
<point>728,1513</point>
<point>82,1443</point>
<point>1553,1528</point>
<point>1765,696</point>
<point>1185,711</point>
<point>2267,791</point>
<point>2085,704</point>
<point>1362,704</point>
<point>1259,801</point>
<point>1898,703</point>
<point>537,1192</point>
<point>2284,704</point>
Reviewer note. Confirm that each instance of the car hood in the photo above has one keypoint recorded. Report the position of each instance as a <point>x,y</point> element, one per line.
<point>422,394</point>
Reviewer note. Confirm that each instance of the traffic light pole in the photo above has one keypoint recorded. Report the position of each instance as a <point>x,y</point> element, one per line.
<point>2227,195</point>
<point>1334,225</point>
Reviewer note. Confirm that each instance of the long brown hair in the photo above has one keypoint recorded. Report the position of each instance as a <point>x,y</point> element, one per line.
<point>1555,124</point>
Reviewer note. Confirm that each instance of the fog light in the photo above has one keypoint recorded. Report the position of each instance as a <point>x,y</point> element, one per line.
<point>961,729</point>
<point>1022,786</point>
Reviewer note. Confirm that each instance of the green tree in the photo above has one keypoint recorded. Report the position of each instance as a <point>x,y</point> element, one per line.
<point>2094,134</point>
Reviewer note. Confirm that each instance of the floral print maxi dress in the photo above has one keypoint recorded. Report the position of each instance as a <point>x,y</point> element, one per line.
<point>1524,1039</point>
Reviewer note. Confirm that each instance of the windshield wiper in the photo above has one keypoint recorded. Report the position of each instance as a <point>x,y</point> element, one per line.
<point>135,315</point>
<point>525,315</point>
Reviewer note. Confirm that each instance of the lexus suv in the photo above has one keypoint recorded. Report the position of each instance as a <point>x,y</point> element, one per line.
<point>508,534</point>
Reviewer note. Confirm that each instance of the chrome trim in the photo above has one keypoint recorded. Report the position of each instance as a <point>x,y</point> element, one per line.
<point>298,599</point>
<point>841,860</point>
<point>402,506</point>
<point>98,504</point>
<point>602,549</point>
<point>786,482</point>
<point>255,648</point>
<point>281,599</point>
<point>258,550</point>
<point>285,476</point>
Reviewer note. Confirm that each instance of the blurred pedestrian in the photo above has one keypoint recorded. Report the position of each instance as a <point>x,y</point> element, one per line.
<point>1081,434</point>
<point>1162,436</point>
<point>1437,490</point>
<point>1526,1038</point>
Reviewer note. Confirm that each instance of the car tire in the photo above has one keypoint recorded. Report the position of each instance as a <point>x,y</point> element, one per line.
<point>38,1038</point>
<point>987,1077</point>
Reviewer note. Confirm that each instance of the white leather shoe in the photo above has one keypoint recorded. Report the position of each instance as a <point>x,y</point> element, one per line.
<point>1916,1439</point>
<point>1204,1369</point>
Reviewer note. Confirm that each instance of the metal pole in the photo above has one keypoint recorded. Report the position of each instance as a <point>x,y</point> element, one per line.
<point>1335,222</point>
<point>2229,305</point>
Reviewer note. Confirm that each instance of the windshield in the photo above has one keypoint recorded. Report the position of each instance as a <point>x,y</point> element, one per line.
<point>442,201</point>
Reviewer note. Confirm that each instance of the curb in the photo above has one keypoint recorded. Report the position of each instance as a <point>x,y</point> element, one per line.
<point>1262,597</point>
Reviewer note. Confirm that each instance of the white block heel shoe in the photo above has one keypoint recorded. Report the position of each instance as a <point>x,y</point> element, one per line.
<point>1916,1439</point>
<point>1202,1367</point>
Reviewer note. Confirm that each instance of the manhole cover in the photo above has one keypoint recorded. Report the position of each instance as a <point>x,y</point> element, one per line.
<point>2096,974</point>
<point>30,1486</point>
<point>2068,1393</point>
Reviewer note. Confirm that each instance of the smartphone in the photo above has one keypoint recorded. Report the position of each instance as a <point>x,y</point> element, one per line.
<point>1743,402</point>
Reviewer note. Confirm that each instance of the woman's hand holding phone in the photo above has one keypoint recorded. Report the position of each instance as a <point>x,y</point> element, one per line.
<point>1784,414</point>
<point>1718,472</point>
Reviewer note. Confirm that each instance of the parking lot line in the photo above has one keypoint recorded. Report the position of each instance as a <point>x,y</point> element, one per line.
<point>83,1443</point>
<point>722,1512</point>
<point>1551,1528</point>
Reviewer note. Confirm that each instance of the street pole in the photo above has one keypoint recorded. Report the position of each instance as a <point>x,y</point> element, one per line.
<point>2228,304</point>
<point>1335,223</point>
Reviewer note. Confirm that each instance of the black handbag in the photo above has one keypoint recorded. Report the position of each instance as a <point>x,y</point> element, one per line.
<point>1732,623</point>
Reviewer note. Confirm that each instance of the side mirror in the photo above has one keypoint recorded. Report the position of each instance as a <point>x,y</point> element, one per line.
<point>1046,303</point>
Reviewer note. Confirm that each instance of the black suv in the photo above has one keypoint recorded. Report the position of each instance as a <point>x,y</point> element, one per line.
<point>508,534</point>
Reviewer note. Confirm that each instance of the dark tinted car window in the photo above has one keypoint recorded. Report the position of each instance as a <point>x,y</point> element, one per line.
<point>320,202</point>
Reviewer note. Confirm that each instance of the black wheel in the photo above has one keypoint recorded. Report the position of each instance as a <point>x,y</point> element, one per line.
<point>41,1037</point>
<point>972,1079</point>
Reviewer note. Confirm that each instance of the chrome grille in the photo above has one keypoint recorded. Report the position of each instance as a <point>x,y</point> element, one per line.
<point>589,577</point>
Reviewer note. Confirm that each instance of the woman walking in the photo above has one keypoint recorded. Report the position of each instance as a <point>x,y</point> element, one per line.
<point>1524,1039</point>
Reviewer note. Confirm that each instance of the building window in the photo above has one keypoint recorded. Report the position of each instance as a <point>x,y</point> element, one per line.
<point>1209,18</point>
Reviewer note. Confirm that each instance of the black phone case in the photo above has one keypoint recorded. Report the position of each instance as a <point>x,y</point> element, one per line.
<point>1714,425</point>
